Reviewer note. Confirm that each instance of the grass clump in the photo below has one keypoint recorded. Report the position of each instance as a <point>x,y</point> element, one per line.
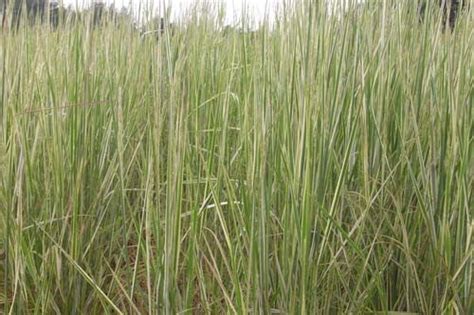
<point>323,165</point>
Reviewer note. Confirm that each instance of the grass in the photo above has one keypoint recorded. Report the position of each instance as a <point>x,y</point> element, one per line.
<point>321,166</point>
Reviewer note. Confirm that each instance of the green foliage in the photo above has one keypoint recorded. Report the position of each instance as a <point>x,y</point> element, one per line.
<point>323,166</point>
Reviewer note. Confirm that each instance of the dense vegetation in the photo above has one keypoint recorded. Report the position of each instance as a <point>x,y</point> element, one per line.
<point>322,166</point>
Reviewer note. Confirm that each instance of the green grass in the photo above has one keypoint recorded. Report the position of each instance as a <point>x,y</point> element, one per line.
<point>321,167</point>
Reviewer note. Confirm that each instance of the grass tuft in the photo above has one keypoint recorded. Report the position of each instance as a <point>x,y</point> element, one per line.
<point>320,165</point>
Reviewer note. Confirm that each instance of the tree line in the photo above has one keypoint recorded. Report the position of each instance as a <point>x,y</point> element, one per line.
<point>35,12</point>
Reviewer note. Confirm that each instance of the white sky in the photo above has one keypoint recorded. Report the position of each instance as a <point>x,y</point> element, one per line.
<point>234,8</point>
<point>257,9</point>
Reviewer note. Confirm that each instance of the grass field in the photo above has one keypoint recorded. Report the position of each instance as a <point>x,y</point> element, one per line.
<point>323,166</point>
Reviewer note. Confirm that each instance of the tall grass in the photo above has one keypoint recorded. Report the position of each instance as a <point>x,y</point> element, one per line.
<point>322,166</point>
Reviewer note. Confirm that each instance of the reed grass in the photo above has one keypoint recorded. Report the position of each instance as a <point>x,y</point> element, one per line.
<point>320,166</point>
